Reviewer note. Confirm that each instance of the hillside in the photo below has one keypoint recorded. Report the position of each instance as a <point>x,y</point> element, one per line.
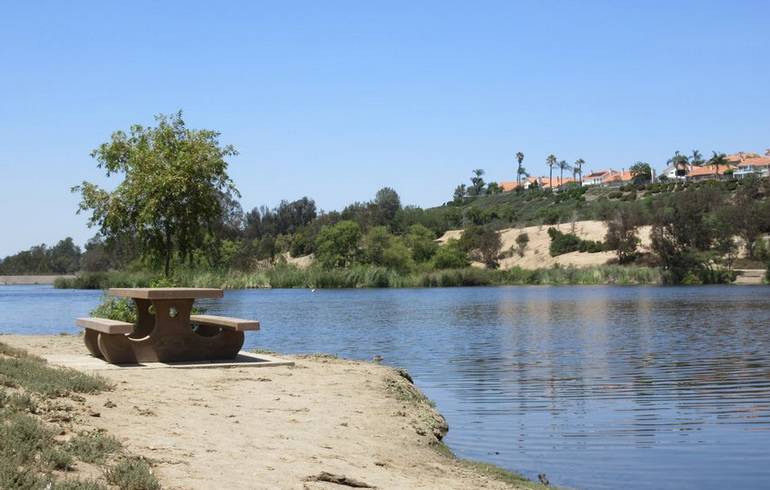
<point>535,255</point>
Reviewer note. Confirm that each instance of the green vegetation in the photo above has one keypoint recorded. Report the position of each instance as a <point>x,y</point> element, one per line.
<point>367,276</point>
<point>175,211</point>
<point>34,400</point>
<point>562,243</point>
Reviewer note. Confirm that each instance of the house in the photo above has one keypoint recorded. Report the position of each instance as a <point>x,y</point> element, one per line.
<point>755,165</point>
<point>607,178</point>
<point>596,178</point>
<point>526,183</point>
<point>706,172</point>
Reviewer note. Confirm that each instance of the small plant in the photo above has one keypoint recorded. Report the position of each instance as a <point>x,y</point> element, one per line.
<point>120,309</point>
<point>132,474</point>
<point>93,447</point>
<point>521,241</point>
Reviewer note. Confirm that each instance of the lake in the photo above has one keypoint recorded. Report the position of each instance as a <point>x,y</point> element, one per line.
<point>598,387</point>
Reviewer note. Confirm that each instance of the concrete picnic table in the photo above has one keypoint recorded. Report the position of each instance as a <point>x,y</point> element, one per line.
<point>166,330</point>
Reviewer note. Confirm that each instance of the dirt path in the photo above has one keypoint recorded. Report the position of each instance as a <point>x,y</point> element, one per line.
<point>281,427</point>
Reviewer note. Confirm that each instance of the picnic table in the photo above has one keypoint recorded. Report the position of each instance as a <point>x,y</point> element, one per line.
<point>166,330</point>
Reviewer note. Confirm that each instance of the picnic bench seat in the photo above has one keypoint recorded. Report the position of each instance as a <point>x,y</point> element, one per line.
<point>105,325</point>
<point>95,326</point>
<point>235,324</point>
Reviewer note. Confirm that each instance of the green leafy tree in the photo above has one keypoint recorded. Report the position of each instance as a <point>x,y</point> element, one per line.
<point>483,243</point>
<point>641,172</point>
<point>422,242</point>
<point>387,203</point>
<point>622,235</point>
<point>494,188</point>
<point>171,193</point>
<point>451,255</point>
<point>460,193</point>
<point>338,245</point>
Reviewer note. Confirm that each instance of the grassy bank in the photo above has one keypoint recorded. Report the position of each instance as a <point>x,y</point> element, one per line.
<point>40,444</point>
<point>369,277</point>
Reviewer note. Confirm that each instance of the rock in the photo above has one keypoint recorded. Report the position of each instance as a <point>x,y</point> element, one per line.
<point>339,480</point>
<point>404,374</point>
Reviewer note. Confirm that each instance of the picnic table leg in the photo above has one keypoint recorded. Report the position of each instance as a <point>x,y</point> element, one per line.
<point>117,349</point>
<point>91,338</point>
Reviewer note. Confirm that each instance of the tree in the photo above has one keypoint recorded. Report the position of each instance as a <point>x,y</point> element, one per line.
<point>387,203</point>
<point>460,193</point>
<point>577,170</point>
<point>563,165</point>
<point>622,233</point>
<point>450,256</point>
<point>64,257</point>
<point>477,183</point>
<point>680,162</point>
<point>521,242</point>
<point>494,188</point>
<point>718,160</point>
<point>338,245</point>
<point>171,193</point>
<point>519,168</point>
<point>551,161</point>
<point>422,241</point>
<point>522,172</point>
<point>641,172</point>
<point>697,158</point>
<point>484,243</point>
<point>750,213</point>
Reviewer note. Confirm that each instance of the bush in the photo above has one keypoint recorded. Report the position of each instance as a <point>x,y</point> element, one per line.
<point>120,309</point>
<point>562,243</point>
<point>450,256</point>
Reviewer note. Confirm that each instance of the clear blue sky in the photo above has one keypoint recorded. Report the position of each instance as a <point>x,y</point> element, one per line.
<point>334,100</point>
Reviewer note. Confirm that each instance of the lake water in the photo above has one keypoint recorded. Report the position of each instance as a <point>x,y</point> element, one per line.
<point>598,387</point>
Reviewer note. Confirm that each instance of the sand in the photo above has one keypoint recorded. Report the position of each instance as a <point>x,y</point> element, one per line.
<point>275,427</point>
<point>536,252</point>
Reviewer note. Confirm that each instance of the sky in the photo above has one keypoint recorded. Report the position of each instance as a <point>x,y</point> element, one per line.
<point>334,100</point>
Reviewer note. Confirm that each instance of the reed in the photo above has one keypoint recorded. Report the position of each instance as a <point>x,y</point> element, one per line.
<point>365,276</point>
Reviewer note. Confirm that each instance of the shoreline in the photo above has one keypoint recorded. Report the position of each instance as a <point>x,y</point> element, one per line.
<point>277,427</point>
<point>33,279</point>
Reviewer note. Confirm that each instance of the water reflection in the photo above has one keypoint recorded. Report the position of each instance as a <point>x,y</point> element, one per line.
<point>598,387</point>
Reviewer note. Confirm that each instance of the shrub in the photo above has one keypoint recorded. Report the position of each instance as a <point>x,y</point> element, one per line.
<point>562,243</point>
<point>521,241</point>
<point>450,256</point>
<point>120,309</point>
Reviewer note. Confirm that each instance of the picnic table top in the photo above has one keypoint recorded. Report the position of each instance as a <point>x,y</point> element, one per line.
<point>166,293</point>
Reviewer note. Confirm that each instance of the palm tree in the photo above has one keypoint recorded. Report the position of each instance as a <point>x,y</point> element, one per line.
<point>577,170</point>
<point>519,159</point>
<point>718,159</point>
<point>563,165</point>
<point>696,158</point>
<point>551,162</point>
<point>680,161</point>
<point>522,172</point>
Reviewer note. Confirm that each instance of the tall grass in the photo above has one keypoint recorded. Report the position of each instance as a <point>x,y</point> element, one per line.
<point>363,276</point>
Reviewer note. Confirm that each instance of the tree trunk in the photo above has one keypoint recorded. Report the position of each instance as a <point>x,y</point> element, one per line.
<point>167,268</point>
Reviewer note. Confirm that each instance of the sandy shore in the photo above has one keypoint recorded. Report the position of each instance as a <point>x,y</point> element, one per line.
<point>31,279</point>
<point>277,427</point>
